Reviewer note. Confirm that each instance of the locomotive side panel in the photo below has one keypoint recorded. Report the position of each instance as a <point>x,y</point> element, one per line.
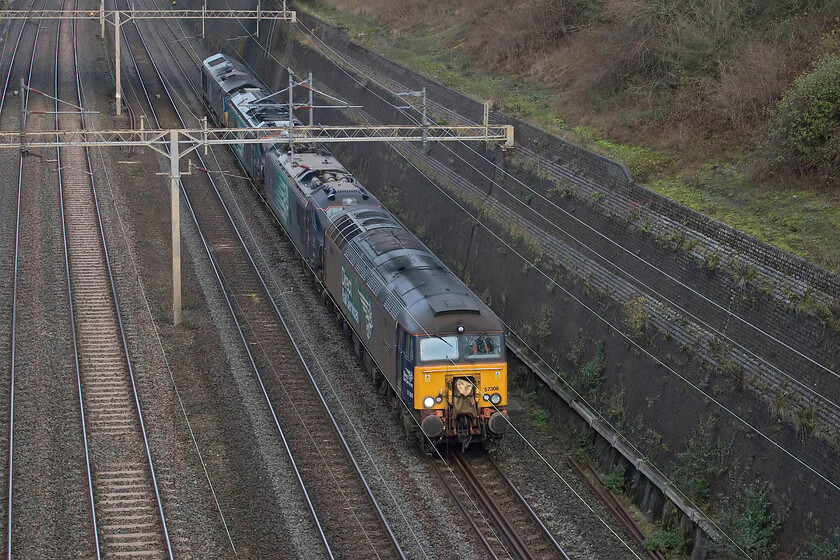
<point>287,202</point>
<point>365,314</point>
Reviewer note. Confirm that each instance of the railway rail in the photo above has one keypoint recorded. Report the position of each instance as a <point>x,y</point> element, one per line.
<point>342,506</point>
<point>128,516</point>
<point>116,485</point>
<point>609,501</point>
<point>126,501</point>
<point>496,511</point>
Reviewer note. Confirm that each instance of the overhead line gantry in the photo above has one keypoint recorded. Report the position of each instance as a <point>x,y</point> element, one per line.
<point>176,143</point>
<point>121,17</point>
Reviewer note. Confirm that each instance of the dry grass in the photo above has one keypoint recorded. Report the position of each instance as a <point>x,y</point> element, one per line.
<point>696,80</point>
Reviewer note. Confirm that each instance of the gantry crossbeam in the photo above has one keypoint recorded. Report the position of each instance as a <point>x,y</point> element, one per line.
<point>119,18</point>
<point>294,135</point>
<point>288,15</point>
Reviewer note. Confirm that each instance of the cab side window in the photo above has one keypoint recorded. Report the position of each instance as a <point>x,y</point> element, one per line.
<point>407,344</point>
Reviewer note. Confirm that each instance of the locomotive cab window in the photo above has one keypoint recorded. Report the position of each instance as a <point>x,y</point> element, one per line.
<point>437,348</point>
<point>408,346</point>
<point>478,346</point>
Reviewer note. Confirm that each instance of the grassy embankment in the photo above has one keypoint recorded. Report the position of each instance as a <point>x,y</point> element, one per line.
<point>684,93</point>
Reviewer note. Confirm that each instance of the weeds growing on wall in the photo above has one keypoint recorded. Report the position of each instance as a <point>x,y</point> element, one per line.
<point>705,457</point>
<point>746,518</point>
<point>592,372</point>
<point>820,549</point>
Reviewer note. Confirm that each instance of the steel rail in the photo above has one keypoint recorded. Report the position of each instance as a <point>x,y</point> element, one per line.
<point>487,546</point>
<point>612,505</point>
<point>25,101</point>
<point>518,546</point>
<point>282,320</point>
<point>218,274</point>
<point>536,519</point>
<point>118,315</point>
<point>70,301</point>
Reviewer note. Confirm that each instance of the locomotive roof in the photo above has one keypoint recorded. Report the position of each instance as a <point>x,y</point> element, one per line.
<point>250,96</point>
<point>321,176</point>
<point>416,287</point>
<point>231,74</point>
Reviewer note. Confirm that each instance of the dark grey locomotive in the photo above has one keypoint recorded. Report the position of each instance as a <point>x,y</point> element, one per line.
<point>440,348</point>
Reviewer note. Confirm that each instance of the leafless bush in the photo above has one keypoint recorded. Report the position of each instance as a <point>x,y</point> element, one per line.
<point>748,83</point>
<point>505,37</point>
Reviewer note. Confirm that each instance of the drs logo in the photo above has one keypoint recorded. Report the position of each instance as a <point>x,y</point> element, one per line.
<point>347,295</point>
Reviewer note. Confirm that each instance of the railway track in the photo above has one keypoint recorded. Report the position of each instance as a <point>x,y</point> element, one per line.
<point>43,414</point>
<point>10,230</point>
<point>496,511</point>
<point>342,506</point>
<point>125,515</point>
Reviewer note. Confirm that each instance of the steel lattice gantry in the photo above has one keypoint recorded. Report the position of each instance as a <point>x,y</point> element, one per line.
<point>197,137</point>
<point>118,18</point>
<point>175,144</point>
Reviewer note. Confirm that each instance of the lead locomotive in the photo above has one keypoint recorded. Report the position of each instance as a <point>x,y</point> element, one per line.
<point>438,346</point>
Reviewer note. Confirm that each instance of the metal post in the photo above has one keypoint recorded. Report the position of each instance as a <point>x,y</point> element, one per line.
<point>118,95</point>
<point>425,121</point>
<point>487,121</point>
<point>311,102</point>
<point>174,176</point>
<point>22,114</point>
<point>291,111</point>
<point>203,13</point>
<point>204,133</point>
<point>259,15</point>
<point>102,18</point>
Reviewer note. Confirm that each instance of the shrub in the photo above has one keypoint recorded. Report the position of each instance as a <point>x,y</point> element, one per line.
<point>539,418</point>
<point>805,132</point>
<point>704,458</point>
<point>746,519</point>
<point>663,540</point>
<point>615,480</point>
<point>814,549</point>
<point>592,371</point>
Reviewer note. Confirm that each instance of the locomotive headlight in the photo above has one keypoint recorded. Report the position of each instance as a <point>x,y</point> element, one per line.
<point>439,399</point>
<point>429,402</point>
<point>485,396</point>
<point>495,398</point>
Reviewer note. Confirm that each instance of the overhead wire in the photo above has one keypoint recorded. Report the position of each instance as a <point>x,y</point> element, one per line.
<point>374,463</point>
<point>681,377</point>
<point>672,370</point>
<point>254,237</point>
<point>657,360</point>
<point>354,248</point>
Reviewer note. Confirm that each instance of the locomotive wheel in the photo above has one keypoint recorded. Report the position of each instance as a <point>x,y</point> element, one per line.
<point>409,425</point>
<point>425,445</point>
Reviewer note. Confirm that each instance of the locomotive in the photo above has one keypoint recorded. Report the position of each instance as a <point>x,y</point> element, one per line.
<point>438,346</point>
